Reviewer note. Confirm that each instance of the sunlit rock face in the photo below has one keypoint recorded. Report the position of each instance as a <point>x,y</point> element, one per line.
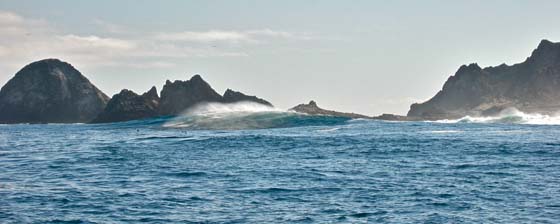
<point>531,86</point>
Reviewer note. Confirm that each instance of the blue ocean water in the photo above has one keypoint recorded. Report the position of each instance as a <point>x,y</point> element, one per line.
<point>280,168</point>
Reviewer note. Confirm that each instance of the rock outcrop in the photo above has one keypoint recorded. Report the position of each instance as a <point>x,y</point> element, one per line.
<point>231,96</point>
<point>50,91</point>
<point>532,86</point>
<point>312,109</point>
<point>127,105</point>
<point>178,96</point>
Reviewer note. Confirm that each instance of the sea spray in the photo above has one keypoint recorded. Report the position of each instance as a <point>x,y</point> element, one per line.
<point>245,115</point>
<point>509,116</point>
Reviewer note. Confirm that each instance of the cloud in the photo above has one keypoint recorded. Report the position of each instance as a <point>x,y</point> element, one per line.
<point>206,36</point>
<point>96,42</point>
<point>24,40</point>
<point>10,18</point>
<point>250,36</point>
<point>110,27</point>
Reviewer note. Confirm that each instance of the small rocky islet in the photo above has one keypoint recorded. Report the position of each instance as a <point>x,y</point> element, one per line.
<point>53,91</point>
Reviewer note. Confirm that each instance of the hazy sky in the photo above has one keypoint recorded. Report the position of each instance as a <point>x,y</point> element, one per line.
<point>362,56</point>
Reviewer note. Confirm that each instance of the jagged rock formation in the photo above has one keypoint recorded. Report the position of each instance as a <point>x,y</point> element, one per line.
<point>312,109</point>
<point>127,105</point>
<point>231,96</point>
<point>178,96</point>
<point>531,86</point>
<point>50,91</point>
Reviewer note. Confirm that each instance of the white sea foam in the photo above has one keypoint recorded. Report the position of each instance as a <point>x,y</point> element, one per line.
<point>444,131</point>
<point>224,108</point>
<point>240,115</point>
<point>510,116</point>
<point>328,130</point>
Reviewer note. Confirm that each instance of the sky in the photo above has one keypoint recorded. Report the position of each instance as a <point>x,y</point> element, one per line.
<point>368,56</point>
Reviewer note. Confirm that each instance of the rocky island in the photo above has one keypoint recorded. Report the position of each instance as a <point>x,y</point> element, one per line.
<point>50,91</point>
<point>312,109</point>
<point>532,86</point>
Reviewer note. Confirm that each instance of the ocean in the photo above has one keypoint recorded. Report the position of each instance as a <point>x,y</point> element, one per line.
<point>272,166</point>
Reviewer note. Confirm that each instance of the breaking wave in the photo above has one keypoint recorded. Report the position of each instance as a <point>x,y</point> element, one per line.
<point>510,116</point>
<point>245,115</point>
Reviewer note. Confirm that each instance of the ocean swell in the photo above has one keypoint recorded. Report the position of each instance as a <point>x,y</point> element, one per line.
<point>245,115</point>
<point>510,116</point>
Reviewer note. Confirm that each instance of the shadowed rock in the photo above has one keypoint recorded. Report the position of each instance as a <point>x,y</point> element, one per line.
<point>231,96</point>
<point>178,96</point>
<point>127,105</point>
<point>50,91</point>
<point>532,86</point>
<point>312,109</point>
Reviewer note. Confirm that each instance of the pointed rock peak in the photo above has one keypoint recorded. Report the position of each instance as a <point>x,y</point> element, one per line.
<point>230,92</point>
<point>545,48</point>
<point>312,103</point>
<point>468,68</point>
<point>125,91</point>
<point>197,78</point>
<point>152,93</point>
<point>545,43</point>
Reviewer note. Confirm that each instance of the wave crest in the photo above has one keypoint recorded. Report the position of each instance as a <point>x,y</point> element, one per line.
<point>510,116</point>
<point>245,115</point>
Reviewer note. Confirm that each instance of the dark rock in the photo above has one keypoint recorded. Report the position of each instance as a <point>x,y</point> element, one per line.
<point>178,96</point>
<point>127,105</point>
<point>231,96</point>
<point>50,91</point>
<point>532,86</point>
<point>312,109</point>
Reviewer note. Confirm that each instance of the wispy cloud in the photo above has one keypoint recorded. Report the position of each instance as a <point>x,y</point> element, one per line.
<point>205,36</point>
<point>10,18</point>
<point>251,36</point>
<point>25,39</point>
<point>109,27</point>
<point>96,42</point>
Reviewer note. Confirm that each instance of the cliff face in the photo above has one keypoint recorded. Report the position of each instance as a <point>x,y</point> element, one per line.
<point>50,91</point>
<point>312,109</point>
<point>177,96</point>
<point>531,86</point>
<point>128,105</point>
<point>231,96</point>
